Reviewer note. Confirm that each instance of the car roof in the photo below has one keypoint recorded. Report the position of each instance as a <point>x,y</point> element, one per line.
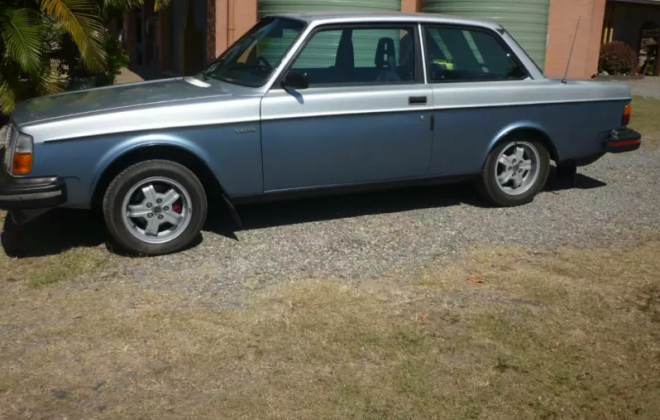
<point>320,18</point>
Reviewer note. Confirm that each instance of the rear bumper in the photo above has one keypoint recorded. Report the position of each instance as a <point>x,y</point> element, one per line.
<point>30,193</point>
<point>625,140</point>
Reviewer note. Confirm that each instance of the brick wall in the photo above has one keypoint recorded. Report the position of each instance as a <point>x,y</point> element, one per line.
<point>232,19</point>
<point>561,29</point>
<point>409,6</point>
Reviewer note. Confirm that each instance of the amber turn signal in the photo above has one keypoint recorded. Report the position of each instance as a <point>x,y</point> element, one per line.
<point>22,163</point>
<point>627,110</point>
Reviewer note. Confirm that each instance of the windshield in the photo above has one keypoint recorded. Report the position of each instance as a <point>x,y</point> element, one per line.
<point>253,58</point>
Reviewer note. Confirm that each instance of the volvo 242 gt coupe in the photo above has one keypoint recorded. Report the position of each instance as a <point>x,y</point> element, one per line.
<point>308,103</point>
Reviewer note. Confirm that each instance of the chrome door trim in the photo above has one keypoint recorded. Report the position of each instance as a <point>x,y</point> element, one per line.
<point>339,113</point>
<point>422,51</point>
<point>427,108</point>
<point>354,100</point>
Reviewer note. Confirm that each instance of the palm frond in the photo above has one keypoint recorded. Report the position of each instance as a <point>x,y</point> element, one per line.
<point>122,4</point>
<point>7,97</point>
<point>50,80</point>
<point>21,34</point>
<point>161,4</point>
<point>81,19</point>
<point>116,7</point>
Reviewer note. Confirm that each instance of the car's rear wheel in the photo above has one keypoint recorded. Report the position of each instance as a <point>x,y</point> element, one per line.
<point>515,172</point>
<point>155,207</point>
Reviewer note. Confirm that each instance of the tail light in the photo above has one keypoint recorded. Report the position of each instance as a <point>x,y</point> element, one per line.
<point>627,110</point>
<point>21,163</point>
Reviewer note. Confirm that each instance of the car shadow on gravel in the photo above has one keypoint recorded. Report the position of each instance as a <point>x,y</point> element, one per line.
<point>52,233</point>
<point>314,209</point>
<point>60,230</point>
<point>581,182</point>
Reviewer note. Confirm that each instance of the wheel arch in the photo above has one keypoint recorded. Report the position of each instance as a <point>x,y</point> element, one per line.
<point>171,152</point>
<point>527,130</point>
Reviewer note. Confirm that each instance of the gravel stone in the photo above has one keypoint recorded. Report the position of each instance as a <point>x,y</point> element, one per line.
<point>391,235</point>
<point>397,234</point>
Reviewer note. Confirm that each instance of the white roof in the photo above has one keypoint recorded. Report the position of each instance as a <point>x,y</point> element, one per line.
<point>318,18</point>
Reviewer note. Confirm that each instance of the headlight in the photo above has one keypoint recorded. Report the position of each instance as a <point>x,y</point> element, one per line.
<point>22,155</point>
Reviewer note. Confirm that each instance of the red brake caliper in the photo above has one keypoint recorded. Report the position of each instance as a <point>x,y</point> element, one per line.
<point>176,207</point>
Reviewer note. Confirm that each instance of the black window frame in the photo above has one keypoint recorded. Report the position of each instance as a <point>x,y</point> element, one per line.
<point>496,35</point>
<point>237,41</point>
<point>505,32</point>
<point>419,65</point>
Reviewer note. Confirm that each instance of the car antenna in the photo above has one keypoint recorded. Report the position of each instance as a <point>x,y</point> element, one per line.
<point>570,56</point>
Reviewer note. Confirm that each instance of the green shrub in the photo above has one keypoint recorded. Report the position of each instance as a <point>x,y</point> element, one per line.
<point>617,58</point>
<point>117,60</point>
<point>81,78</point>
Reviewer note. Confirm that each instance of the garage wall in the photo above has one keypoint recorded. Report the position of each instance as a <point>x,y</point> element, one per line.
<point>235,17</point>
<point>564,16</point>
<point>232,19</point>
<point>409,6</point>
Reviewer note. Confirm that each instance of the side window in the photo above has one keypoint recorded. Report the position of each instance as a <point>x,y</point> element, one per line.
<point>355,56</point>
<point>468,55</point>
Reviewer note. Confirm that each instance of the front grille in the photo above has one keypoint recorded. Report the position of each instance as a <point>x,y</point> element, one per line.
<point>6,135</point>
<point>9,140</point>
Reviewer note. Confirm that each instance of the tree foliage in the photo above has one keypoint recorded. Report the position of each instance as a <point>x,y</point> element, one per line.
<point>35,35</point>
<point>617,58</point>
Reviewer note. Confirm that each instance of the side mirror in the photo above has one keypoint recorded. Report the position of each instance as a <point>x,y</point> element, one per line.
<point>296,81</point>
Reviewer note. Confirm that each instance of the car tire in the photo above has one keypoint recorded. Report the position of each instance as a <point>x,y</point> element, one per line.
<point>515,171</point>
<point>155,207</point>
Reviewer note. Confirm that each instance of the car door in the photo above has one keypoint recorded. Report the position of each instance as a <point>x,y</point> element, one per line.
<point>364,118</point>
<point>477,81</point>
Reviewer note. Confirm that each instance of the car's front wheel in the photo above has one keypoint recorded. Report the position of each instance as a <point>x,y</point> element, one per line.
<point>515,172</point>
<point>155,207</point>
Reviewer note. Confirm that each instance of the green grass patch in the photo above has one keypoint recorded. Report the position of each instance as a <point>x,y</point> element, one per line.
<point>43,271</point>
<point>71,264</point>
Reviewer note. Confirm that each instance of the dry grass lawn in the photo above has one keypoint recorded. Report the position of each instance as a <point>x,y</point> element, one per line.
<point>645,118</point>
<point>497,335</point>
<point>503,334</point>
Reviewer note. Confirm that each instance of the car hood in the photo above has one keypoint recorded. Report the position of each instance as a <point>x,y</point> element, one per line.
<point>112,99</point>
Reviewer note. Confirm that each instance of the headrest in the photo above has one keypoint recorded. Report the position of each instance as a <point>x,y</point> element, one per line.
<point>385,52</point>
<point>345,54</point>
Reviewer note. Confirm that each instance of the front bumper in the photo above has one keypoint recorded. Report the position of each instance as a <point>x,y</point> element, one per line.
<point>625,140</point>
<point>29,193</point>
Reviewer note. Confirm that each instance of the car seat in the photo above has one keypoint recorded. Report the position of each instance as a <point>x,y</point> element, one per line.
<point>386,61</point>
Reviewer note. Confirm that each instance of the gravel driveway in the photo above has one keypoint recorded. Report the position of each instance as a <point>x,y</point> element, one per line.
<point>394,234</point>
<point>648,87</point>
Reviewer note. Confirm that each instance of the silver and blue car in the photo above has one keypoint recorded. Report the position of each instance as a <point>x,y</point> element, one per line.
<point>308,103</point>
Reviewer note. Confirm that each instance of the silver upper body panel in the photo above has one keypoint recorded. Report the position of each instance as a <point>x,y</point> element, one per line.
<point>193,102</point>
<point>159,105</point>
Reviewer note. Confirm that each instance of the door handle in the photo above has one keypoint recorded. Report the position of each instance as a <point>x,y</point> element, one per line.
<point>417,100</point>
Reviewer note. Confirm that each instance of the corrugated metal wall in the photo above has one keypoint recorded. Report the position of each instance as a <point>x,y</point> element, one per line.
<point>265,7</point>
<point>526,20</point>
